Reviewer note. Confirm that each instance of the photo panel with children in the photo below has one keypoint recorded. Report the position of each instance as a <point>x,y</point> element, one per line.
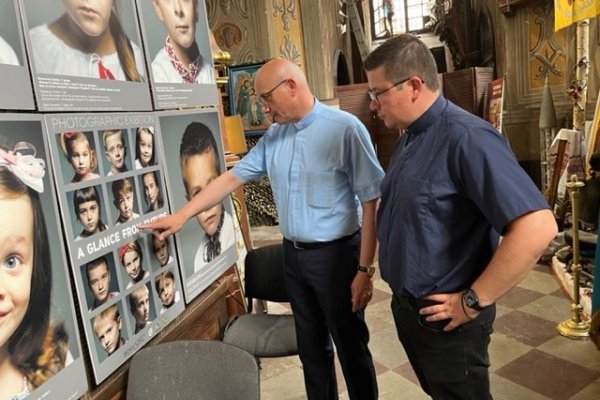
<point>111,258</point>
<point>177,43</point>
<point>34,280</point>
<point>193,154</point>
<point>86,56</point>
<point>16,92</point>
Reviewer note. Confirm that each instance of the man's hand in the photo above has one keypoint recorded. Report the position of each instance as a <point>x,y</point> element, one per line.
<point>362,291</point>
<point>165,226</point>
<point>450,307</point>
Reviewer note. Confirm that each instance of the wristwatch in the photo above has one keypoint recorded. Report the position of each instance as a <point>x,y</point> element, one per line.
<point>471,300</point>
<point>369,270</point>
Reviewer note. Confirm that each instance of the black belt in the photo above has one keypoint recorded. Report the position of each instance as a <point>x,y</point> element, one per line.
<point>317,245</point>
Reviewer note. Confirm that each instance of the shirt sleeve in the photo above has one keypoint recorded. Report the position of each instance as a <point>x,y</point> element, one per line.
<point>365,172</point>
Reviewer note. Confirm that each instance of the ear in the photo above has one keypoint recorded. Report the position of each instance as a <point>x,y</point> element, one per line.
<point>119,322</point>
<point>417,86</point>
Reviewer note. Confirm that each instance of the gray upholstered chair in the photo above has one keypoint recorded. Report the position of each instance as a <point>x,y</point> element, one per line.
<point>193,370</point>
<point>263,334</point>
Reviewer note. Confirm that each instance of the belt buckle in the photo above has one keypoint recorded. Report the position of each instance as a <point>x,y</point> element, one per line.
<point>298,245</point>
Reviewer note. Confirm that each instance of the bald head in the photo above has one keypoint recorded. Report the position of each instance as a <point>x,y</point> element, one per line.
<point>283,90</point>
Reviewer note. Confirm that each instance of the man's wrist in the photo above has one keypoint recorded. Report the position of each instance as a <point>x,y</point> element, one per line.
<point>370,270</point>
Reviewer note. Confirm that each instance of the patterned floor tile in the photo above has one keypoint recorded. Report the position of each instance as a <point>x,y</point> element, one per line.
<point>525,328</point>
<point>548,375</point>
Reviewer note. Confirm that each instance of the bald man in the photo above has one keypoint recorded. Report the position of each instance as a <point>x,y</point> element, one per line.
<point>325,176</point>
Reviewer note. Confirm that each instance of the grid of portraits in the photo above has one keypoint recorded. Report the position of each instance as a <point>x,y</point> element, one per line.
<point>112,178</point>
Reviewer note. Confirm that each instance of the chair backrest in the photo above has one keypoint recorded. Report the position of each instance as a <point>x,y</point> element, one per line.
<point>264,276</point>
<point>194,370</point>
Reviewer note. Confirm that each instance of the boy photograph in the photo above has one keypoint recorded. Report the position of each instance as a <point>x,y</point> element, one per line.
<point>161,251</point>
<point>102,287</point>
<point>193,157</point>
<point>166,288</point>
<point>123,191</point>
<point>178,57</point>
<point>139,305</point>
<point>108,326</point>
<point>200,166</point>
<point>115,149</point>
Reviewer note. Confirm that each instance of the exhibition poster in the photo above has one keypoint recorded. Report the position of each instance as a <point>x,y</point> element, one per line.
<point>40,356</point>
<point>193,154</point>
<point>16,92</point>
<point>86,57</point>
<point>176,39</point>
<point>110,174</point>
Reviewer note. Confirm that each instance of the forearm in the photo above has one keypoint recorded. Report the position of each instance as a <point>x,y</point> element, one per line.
<point>213,194</point>
<point>520,248</point>
<point>368,239</point>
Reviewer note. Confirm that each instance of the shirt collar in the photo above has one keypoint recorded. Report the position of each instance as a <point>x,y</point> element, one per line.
<point>429,117</point>
<point>187,72</point>
<point>310,117</point>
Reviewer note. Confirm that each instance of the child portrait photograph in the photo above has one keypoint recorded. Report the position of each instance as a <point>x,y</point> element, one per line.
<point>194,157</point>
<point>82,45</point>
<point>124,197</point>
<point>16,92</point>
<point>141,307</point>
<point>40,352</point>
<point>177,44</point>
<point>101,280</point>
<point>110,333</point>
<point>80,159</point>
<point>153,193</point>
<point>116,155</point>
<point>87,211</point>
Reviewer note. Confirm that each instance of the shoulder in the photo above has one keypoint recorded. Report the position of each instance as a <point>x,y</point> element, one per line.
<point>7,54</point>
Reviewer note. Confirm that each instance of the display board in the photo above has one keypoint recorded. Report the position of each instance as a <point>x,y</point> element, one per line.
<point>193,153</point>
<point>110,173</point>
<point>177,47</point>
<point>85,57</point>
<point>39,340</point>
<point>16,92</point>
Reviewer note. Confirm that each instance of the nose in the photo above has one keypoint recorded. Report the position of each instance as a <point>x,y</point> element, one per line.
<point>177,7</point>
<point>264,106</point>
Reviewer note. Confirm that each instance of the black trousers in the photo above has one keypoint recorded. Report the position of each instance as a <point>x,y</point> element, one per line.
<point>450,365</point>
<point>318,283</point>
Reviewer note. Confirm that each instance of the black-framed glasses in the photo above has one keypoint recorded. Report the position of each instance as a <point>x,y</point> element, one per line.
<point>267,95</point>
<point>374,96</point>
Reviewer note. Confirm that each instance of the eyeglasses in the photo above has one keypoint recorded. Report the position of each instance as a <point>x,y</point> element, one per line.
<point>374,96</point>
<point>267,95</point>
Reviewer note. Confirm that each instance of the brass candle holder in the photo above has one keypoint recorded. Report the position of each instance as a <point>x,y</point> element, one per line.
<point>576,327</point>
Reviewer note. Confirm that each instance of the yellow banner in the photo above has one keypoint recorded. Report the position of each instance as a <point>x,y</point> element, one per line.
<point>568,11</point>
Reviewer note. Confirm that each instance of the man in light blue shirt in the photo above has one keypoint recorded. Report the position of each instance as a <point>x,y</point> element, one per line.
<point>325,179</point>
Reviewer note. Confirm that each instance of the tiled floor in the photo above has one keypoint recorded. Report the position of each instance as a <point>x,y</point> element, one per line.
<point>529,359</point>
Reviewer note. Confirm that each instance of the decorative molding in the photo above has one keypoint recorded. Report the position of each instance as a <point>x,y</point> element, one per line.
<point>540,53</point>
<point>509,7</point>
<point>285,11</point>
<point>228,35</point>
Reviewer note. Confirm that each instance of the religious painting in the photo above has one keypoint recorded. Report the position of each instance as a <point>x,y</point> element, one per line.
<point>244,100</point>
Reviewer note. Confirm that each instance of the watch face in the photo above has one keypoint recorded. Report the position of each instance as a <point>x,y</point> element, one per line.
<point>471,300</point>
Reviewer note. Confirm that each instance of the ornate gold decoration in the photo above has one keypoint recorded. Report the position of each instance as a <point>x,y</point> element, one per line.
<point>546,50</point>
<point>289,51</point>
<point>285,11</point>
